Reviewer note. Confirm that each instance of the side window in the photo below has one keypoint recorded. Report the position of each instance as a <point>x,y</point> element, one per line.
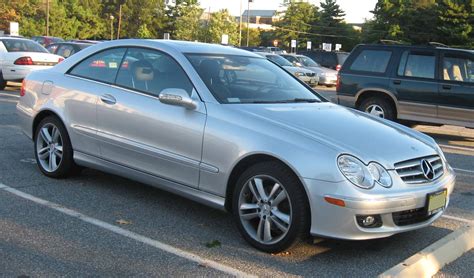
<point>65,51</point>
<point>458,68</point>
<point>151,71</point>
<point>372,61</point>
<point>417,64</point>
<point>102,66</point>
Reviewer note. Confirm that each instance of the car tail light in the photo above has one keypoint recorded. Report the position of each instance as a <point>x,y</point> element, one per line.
<point>23,89</point>
<point>338,82</point>
<point>338,67</point>
<point>24,61</point>
<point>60,60</point>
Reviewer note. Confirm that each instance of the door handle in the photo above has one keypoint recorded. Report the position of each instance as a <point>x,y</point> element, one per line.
<point>447,87</point>
<point>108,98</point>
<point>397,82</point>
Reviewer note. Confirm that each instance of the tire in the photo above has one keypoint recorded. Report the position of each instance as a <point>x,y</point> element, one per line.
<point>51,139</point>
<point>378,106</point>
<point>286,211</point>
<point>3,83</point>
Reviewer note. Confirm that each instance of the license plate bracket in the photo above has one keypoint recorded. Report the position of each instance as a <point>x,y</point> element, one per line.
<point>436,201</point>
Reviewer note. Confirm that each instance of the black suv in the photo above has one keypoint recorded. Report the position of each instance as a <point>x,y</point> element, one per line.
<point>328,59</point>
<point>420,84</point>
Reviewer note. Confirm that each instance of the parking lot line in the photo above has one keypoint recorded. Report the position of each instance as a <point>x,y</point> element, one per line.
<point>456,147</point>
<point>9,95</point>
<point>458,219</point>
<point>464,170</point>
<point>126,233</point>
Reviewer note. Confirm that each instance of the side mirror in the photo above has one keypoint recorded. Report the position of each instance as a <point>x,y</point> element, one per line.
<point>176,96</point>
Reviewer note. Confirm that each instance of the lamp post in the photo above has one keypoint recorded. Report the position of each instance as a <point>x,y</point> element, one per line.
<point>240,24</point>
<point>111,27</point>
<point>248,21</point>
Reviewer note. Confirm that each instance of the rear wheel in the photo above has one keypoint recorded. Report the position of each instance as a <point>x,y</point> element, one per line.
<point>379,107</point>
<point>53,150</point>
<point>270,207</point>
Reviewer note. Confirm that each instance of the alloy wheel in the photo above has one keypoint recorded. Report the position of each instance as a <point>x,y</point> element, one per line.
<point>49,147</point>
<point>375,110</point>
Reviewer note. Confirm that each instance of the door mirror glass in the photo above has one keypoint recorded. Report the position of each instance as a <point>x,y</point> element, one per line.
<point>179,97</point>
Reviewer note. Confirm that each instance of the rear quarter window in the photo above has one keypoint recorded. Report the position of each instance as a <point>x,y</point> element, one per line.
<point>372,61</point>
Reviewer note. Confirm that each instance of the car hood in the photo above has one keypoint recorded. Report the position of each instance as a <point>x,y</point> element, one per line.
<point>296,69</point>
<point>323,70</point>
<point>345,130</point>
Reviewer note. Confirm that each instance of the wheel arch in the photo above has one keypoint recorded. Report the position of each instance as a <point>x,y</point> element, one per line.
<point>248,161</point>
<point>371,92</point>
<point>40,116</point>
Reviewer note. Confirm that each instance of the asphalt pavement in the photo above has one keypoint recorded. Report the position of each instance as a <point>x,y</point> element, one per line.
<point>96,224</point>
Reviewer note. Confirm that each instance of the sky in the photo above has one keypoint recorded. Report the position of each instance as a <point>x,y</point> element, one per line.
<point>356,10</point>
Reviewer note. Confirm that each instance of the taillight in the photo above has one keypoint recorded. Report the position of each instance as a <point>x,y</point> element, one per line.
<point>60,60</point>
<point>23,89</point>
<point>24,61</point>
<point>338,67</point>
<point>338,82</point>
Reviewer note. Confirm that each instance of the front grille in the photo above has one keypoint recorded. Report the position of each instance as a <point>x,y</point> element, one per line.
<point>311,74</point>
<point>410,171</point>
<point>409,217</point>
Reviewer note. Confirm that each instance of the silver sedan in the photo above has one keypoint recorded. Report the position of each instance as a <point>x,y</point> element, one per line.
<point>234,131</point>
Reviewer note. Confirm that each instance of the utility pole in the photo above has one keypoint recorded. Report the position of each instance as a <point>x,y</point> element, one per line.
<point>240,24</point>
<point>119,22</point>
<point>47,17</point>
<point>248,21</point>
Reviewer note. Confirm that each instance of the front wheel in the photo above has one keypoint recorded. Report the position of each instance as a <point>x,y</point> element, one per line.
<point>270,207</point>
<point>53,150</point>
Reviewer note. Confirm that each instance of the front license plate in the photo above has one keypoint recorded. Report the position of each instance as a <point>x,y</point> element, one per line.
<point>436,201</point>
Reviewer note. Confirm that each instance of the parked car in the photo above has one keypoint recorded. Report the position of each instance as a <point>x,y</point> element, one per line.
<point>46,40</point>
<point>18,57</point>
<point>230,129</point>
<point>305,75</point>
<point>327,76</point>
<point>66,49</point>
<point>420,84</point>
<point>328,59</point>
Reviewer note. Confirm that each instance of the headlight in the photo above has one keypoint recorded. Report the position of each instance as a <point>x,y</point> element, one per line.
<point>361,175</point>
<point>299,73</point>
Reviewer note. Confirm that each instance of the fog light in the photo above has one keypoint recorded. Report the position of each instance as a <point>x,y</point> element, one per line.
<point>369,221</point>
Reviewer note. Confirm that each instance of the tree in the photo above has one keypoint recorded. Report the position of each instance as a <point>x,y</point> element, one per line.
<point>146,16</point>
<point>455,21</point>
<point>331,14</point>
<point>295,22</point>
<point>223,23</point>
<point>254,36</point>
<point>185,23</point>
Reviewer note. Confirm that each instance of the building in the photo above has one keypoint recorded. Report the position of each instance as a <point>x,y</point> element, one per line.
<point>262,19</point>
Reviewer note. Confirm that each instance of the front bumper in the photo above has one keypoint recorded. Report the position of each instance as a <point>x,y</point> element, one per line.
<point>310,80</point>
<point>328,220</point>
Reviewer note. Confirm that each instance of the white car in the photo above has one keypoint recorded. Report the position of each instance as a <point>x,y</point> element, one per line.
<point>19,56</point>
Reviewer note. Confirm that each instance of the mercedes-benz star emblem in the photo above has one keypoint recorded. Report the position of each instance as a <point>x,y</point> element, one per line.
<point>427,169</point>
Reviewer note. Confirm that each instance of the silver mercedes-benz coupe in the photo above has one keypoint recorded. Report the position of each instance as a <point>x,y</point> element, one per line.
<point>232,130</point>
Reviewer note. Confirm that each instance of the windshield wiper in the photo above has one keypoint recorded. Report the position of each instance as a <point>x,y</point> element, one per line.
<point>310,100</point>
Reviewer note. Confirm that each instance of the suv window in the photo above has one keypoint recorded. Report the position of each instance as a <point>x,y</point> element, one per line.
<point>151,71</point>
<point>457,68</point>
<point>417,64</point>
<point>372,61</point>
<point>102,66</point>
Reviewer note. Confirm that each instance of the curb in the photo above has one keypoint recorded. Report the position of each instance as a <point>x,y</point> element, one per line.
<point>430,260</point>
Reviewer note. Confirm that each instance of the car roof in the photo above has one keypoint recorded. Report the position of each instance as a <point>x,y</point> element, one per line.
<point>204,48</point>
<point>414,47</point>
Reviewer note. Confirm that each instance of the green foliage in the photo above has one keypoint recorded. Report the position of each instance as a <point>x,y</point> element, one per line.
<point>185,23</point>
<point>446,21</point>
<point>331,14</point>
<point>254,36</point>
<point>295,22</point>
<point>223,23</point>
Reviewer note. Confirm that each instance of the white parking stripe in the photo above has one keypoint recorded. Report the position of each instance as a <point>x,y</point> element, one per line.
<point>129,234</point>
<point>463,170</point>
<point>458,219</point>
<point>456,147</point>
<point>9,95</point>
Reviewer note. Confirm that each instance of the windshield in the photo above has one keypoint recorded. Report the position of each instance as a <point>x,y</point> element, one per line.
<point>13,45</point>
<point>308,62</point>
<point>240,79</point>
<point>279,60</point>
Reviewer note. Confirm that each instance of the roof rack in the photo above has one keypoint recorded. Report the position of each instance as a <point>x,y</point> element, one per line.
<point>389,42</point>
<point>437,44</point>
